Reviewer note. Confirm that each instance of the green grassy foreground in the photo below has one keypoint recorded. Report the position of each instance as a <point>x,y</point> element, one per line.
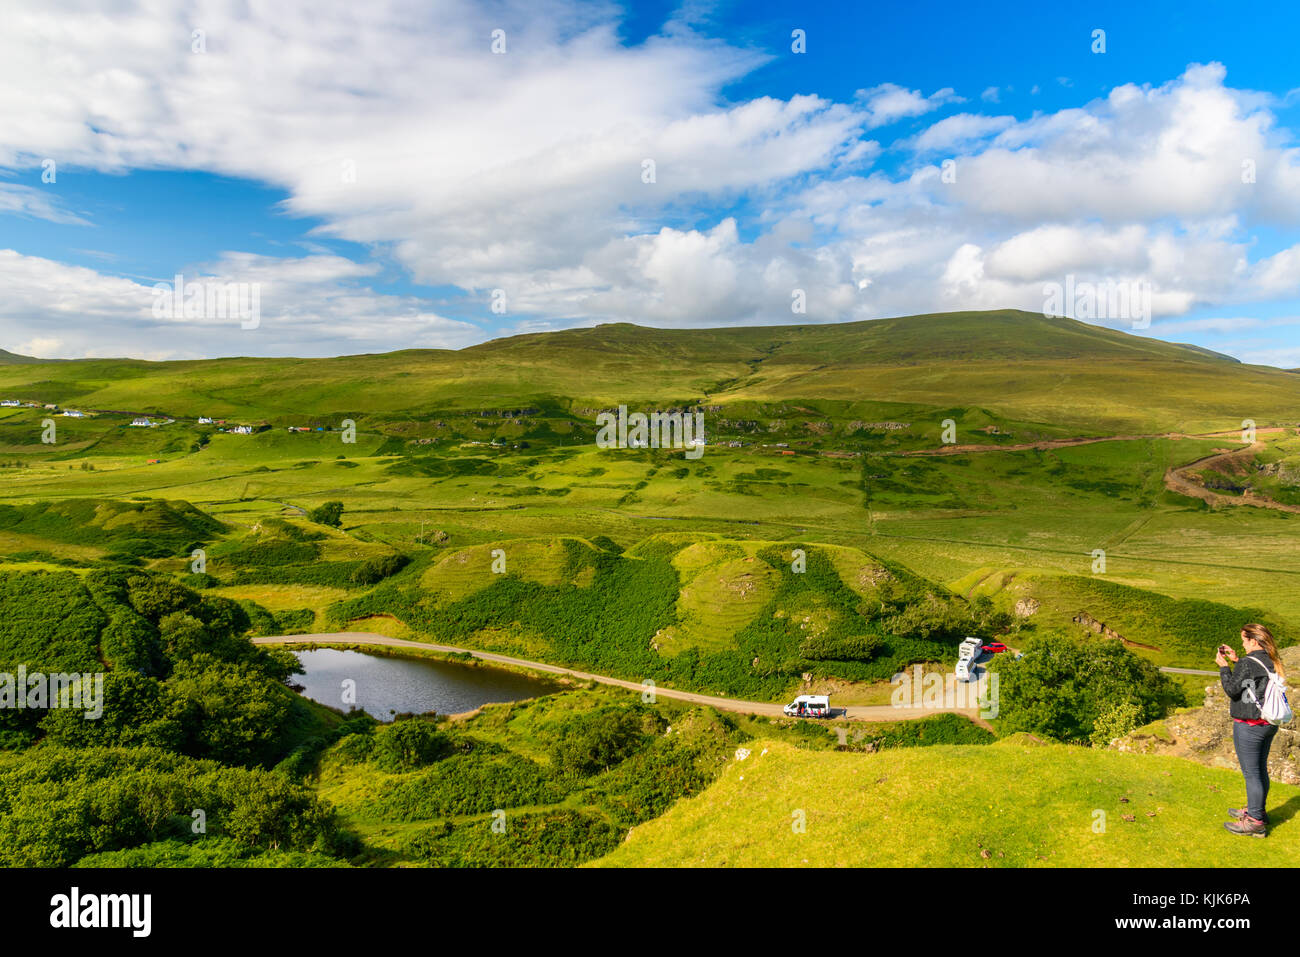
<point>1008,805</point>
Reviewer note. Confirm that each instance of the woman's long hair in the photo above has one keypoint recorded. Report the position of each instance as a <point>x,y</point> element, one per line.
<point>1265,638</point>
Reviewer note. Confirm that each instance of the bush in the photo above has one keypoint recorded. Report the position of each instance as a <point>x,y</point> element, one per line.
<point>331,513</point>
<point>407,745</point>
<point>1115,722</point>
<point>475,783</point>
<point>1072,688</point>
<point>58,805</point>
<point>587,744</point>
<point>200,580</point>
<point>552,838</point>
<point>275,551</point>
<point>377,569</point>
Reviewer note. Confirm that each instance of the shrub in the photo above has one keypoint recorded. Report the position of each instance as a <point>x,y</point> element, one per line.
<point>1063,686</point>
<point>407,745</point>
<point>275,551</point>
<point>596,741</point>
<point>552,838</point>
<point>58,805</point>
<point>377,569</point>
<point>331,513</point>
<point>200,580</point>
<point>474,783</point>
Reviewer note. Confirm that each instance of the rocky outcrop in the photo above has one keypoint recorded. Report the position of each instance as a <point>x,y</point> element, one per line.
<point>856,424</point>
<point>1101,628</point>
<point>1204,734</point>
<point>1284,472</point>
<point>1027,606</point>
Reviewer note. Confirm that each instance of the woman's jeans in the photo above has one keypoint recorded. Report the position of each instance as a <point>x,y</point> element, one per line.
<point>1252,742</point>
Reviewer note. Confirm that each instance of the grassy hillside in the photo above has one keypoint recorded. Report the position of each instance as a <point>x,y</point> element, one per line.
<point>1067,373</point>
<point>1182,632</point>
<point>1014,804</point>
<point>564,776</point>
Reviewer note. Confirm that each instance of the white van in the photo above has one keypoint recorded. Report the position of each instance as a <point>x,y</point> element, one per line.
<point>969,649</point>
<point>809,706</point>
<point>965,670</point>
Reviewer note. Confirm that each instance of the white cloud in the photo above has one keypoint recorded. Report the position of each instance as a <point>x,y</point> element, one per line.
<point>526,172</point>
<point>309,306</point>
<point>960,130</point>
<point>32,202</point>
<point>889,102</point>
<point>1143,185</point>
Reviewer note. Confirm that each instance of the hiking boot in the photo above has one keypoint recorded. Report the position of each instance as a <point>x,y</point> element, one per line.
<point>1247,827</point>
<point>1237,813</point>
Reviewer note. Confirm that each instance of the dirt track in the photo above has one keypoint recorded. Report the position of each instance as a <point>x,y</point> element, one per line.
<point>1176,479</point>
<point>852,713</point>
<point>1068,443</point>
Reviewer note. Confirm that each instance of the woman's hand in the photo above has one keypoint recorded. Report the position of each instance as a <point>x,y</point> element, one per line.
<point>1232,656</point>
<point>1221,661</point>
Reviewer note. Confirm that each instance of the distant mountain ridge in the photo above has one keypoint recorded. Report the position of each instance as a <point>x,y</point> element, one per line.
<point>13,358</point>
<point>1023,366</point>
<point>955,335</point>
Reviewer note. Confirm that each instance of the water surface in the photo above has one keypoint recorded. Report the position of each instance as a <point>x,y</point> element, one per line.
<point>388,686</point>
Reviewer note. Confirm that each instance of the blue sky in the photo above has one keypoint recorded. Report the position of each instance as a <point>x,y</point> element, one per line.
<point>383,177</point>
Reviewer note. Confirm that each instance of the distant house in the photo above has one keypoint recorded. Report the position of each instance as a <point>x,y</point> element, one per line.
<point>11,403</point>
<point>51,405</point>
<point>242,430</point>
<point>74,414</point>
<point>141,423</point>
<point>205,420</point>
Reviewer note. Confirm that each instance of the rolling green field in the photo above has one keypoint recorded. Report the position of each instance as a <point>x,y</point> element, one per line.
<point>452,462</point>
<point>818,542</point>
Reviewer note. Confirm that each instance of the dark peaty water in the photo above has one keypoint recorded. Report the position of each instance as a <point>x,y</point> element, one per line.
<point>387,686</point>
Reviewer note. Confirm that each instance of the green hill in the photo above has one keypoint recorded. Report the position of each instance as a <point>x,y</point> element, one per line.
<point>13,358</point>
<point>1012,804</point>
<point>741,618</point>
<point>1181,632</point>
<point>1021,365</point>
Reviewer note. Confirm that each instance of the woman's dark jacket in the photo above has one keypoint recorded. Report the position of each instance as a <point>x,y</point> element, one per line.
<point>1235,682</point>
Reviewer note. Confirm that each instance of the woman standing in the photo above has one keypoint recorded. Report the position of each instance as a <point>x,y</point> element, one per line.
<point>1252,736</point>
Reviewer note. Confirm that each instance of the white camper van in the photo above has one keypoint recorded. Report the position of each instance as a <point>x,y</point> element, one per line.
<point>966,670</point>
<point>809,706</point>
<point>969,649</point>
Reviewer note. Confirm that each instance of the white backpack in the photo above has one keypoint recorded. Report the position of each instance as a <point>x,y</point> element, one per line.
<point>1275,709</point>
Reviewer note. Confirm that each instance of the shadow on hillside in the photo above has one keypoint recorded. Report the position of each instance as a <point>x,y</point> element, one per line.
<point>1284,813</point>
